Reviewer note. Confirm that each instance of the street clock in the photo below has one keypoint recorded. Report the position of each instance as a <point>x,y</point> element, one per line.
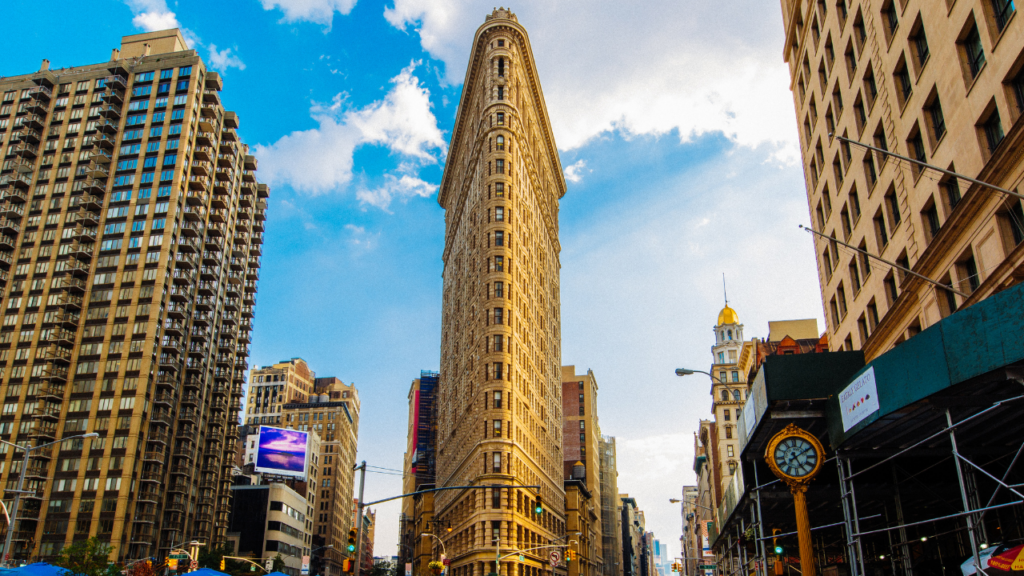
<point>794,455</point>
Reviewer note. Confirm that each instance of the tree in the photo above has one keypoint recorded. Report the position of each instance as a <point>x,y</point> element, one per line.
<point>86,558</point>
<point>382,568</point>
<point>210,557</point>
<point>278,563</point>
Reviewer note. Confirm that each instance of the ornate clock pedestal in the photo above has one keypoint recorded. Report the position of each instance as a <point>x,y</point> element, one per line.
<point>803,529</point>
<point>795,456</point>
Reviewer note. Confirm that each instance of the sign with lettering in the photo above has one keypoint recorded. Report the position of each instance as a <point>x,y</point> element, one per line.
<point>859,400</point>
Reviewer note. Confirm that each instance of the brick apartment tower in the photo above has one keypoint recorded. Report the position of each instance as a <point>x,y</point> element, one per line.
<point>940,82</point>
<point>499,402</point>
<point>130,239</point>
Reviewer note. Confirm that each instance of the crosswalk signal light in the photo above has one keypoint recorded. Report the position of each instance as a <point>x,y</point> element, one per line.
<point>352,540</point>
<point>346,566</point>
<point>539,506</point>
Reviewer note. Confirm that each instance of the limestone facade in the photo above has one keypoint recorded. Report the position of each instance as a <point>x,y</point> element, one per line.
<point>939,82</point>
<point>499,416</point>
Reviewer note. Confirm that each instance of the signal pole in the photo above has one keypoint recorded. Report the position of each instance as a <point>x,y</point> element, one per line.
<point>359,518</point>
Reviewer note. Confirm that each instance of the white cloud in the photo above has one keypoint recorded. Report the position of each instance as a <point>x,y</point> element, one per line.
<point>316,11</point>
<point>151,15</point>
<point>574,172</point>
<point>402,187</point>
<point>224,59</point>
<point>642,68</point>
<point>320,160</point>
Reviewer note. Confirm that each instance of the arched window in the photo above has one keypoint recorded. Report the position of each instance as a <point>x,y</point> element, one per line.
<point>736,395</point>
<point>725,395</point>
<point>501,142</point>
<point>730,334</point>
<point>501,66</point>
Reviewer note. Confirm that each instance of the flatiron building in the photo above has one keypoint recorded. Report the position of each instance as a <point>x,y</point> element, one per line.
<point>499,414</point>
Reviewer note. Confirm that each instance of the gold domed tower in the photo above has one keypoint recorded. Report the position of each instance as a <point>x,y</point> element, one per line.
<point>499,415</point>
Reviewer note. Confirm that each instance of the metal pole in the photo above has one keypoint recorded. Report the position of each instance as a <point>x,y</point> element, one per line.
<point>963,494</point>
<point>8,557</point>
<point>926,165</point>
<point>856,518</point>
<point>760,523</point>
<point>888,262</point>
<point>850,552</point>
<point>359,518</point>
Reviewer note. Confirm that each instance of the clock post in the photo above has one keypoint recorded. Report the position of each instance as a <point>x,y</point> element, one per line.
<point>795,456</point>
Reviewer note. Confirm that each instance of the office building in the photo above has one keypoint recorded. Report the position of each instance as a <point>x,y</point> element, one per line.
<point>936,82</point>
<point>132,226</point>
<point>272,519</point>
<point>632,536</point>
<point>500,342</point>
<point>290,395</point>
<point>419,473</point>
<point>611,514</point>
<point>581,461</point>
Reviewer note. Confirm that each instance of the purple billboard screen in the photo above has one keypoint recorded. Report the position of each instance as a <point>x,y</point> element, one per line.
<point>281,451</point>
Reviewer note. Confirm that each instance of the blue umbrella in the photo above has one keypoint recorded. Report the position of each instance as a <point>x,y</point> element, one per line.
<point>277,574</point>
<point>37,569</point>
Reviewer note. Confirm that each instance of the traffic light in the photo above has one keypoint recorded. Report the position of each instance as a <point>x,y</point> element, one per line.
<point>568,556</point>
<point>222,564</point>
<point>352,540</point>
<point>538,506</point>
<point>775,542</point>
<point>346,565</point>
<point>149,562</point>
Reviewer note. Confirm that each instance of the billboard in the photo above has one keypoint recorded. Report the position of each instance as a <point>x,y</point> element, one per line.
<point>282,452</point>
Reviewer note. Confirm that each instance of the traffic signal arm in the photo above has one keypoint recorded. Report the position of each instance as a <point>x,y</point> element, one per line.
<point>239,558</point>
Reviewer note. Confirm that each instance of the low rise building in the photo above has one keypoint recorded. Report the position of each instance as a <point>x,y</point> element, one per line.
<point>272,519</point>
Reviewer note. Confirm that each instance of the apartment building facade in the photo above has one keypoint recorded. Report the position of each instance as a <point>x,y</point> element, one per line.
<point>499,401</point>
<point>130,250</point>
<point>937,82</point>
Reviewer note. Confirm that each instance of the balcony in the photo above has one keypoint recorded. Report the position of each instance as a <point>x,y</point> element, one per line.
<point>26,133</point>
<point>95,186</point>
<point>225,174</point>
<point>174,327</point>
<point>211,97</point>
<point>205,138</point>
<point>188,245</point>
<point>46,411</point>
<point>7,243</point>
<point>192,229</point>
<point>106,126</point>
<point>204,153</point>
<point>249,176</point>
<point>200,168</point>
<point>15,182</point>
<point>195,213</point>
<point>24,149</point>
<point>199,183</point>
<point>10,226</point>
<point>11,209</point>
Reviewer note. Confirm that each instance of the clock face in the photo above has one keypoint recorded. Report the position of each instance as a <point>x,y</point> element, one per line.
<point>796,457</point>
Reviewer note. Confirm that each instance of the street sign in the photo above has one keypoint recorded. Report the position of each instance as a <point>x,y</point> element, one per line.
<point>555,557</point>
<point>181,556</point>
<point>522,558</point>
<point>707,566</point>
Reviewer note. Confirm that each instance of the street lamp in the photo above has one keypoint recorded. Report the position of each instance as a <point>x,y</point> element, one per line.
<point>688,372</point>
<point>443,551</point>
<point>21,484</point>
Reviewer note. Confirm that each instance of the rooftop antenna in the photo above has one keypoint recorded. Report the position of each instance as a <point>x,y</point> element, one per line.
<point>724,291</point>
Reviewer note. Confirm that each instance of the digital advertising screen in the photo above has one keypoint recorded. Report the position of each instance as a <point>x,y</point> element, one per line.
<point>281,451</point>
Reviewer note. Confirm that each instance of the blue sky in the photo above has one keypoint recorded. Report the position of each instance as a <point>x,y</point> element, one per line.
<point>674,122</point>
